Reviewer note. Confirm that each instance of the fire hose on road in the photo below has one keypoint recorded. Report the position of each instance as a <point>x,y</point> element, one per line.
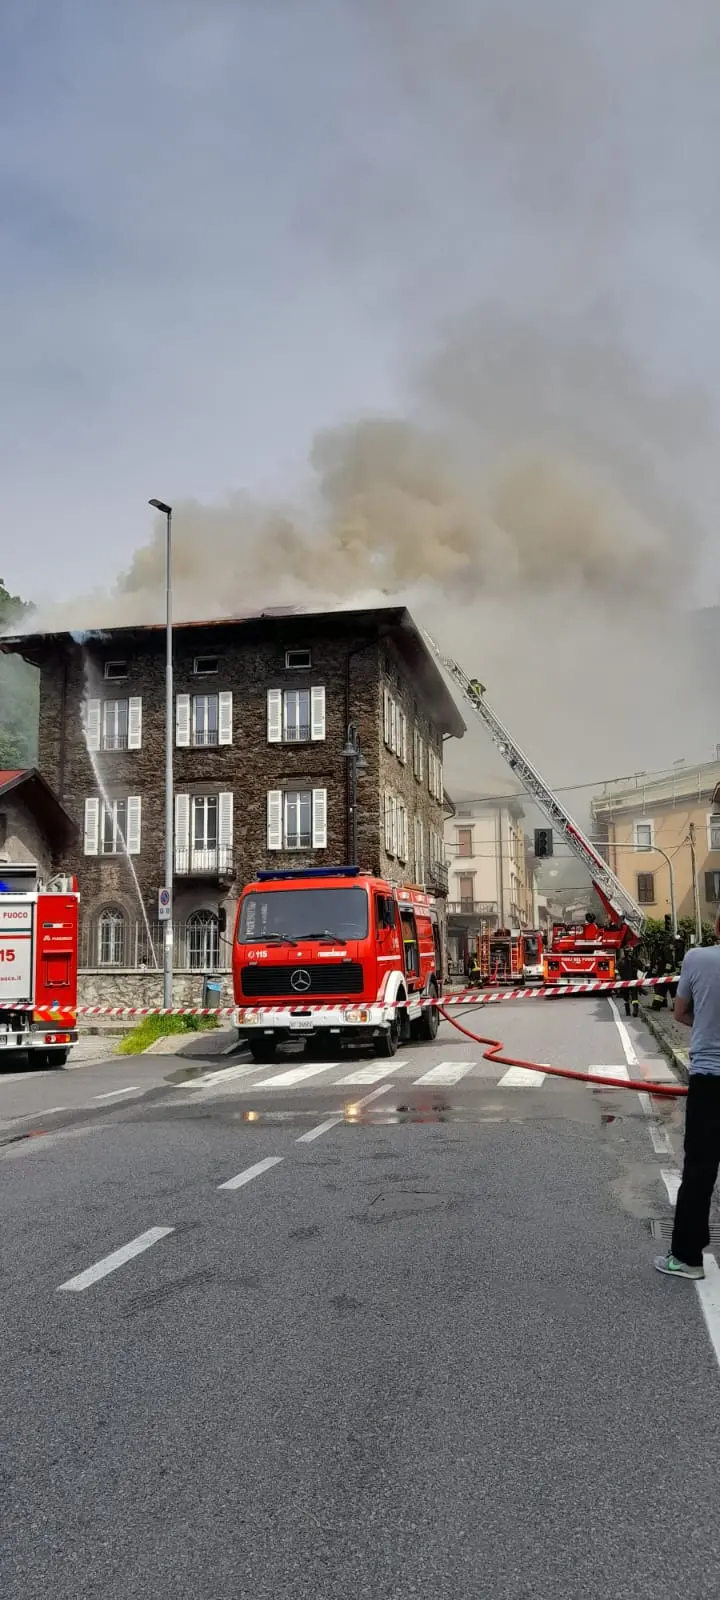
<point>495,1046</point>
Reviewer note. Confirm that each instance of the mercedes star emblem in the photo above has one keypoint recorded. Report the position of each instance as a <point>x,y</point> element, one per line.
<point>300,981</point>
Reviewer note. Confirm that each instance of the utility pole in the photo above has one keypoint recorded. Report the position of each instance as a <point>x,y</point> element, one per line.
<point>696,894</point>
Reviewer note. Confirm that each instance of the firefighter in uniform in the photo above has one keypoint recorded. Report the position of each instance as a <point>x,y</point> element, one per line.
<point>628,968</point>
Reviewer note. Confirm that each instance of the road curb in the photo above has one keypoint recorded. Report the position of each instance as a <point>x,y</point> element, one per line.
<point>678,1058</point>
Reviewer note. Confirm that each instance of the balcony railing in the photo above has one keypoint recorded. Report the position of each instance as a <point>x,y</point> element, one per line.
<point>217,862</point>
<point>472,908</point>
<point>436,877</point>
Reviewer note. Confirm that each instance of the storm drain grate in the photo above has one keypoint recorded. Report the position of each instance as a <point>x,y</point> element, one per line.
<point>661,1228</point>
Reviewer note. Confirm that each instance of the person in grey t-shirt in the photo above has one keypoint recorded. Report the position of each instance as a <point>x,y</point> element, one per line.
<point>697,1005</point>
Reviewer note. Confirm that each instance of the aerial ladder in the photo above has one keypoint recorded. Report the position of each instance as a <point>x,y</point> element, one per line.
<point>615,898</point>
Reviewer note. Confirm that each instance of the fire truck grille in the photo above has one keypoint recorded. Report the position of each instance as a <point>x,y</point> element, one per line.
<point>326,977</point>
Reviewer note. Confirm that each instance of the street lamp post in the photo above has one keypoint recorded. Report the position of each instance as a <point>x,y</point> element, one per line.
<point>671,873</point>
<point>166,510</point>
<point>352,753</point>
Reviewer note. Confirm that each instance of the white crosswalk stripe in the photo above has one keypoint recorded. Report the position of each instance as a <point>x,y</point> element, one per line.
<point>446,1072</point>
<point>286,1080</point>
<point>521,1078</point>
<point>372,1073</point>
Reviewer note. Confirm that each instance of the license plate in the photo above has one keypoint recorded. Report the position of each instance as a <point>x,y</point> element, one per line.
<point>301,1024</point>
<point>3,1039</point>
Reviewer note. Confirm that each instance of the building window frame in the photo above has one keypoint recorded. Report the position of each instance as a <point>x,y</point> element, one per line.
<point>112,930</point>
<point>713,832</point>
<point>645,882</point>
<point>202,940</point>
<point>639,827</point>
<point>465,855</point>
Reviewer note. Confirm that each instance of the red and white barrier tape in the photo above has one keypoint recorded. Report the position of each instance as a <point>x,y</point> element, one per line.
<point>469,997</point>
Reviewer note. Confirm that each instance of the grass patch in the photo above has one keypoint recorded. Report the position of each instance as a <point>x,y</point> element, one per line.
<point>152,1028</point>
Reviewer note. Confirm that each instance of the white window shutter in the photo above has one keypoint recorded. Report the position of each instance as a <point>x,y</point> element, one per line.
<point>274,728</point>
<point>275,819</point>
<point>419,851</point>
<point>421,758</point>
<point>91,726</point>
<point>317,713</point>
<point>92,827</point>
<point>135,722</point>
<point>225,820</point>
<point>182,832</point>
<point>225,718</point>
<point>402,739</point>
<point>319,819</point>
<point>393,725</point>
<point>439,781</point>
<point>386,716</point>
<point>182,719</point>
<point>134,809</point>
<point>401,826</point>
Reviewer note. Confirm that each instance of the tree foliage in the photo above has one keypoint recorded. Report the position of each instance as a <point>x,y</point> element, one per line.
<point>18,693</point>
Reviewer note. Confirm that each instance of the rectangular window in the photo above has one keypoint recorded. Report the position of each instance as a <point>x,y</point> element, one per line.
<point>116,669</point>
<point>296,660</point>
<point>465,844</point>
<point>295,716</point>
<point>714,831</point>
<point>466,890</point>
<point>643,835</point>
<point>712,888</point>
<point>297,819</point>
<point>115,725</point>
<point>114,827</point>
<point>646,888</point>
<point>204,822</point>
<point>205,666</point>
<point>418,756</point>
<point>205,729</point>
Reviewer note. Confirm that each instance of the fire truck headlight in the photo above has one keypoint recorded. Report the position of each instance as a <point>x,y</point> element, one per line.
<point>249,1014</point>
<point>357,1014</point>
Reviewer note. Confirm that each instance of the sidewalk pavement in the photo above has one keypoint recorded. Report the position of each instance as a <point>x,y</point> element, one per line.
<point>672,1037</point>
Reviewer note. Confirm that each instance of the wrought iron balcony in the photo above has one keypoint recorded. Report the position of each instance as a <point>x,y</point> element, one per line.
<point>472,908</point>
<point>206,863</point>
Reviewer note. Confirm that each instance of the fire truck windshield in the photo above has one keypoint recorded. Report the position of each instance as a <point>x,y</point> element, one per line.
<point>299,913</point>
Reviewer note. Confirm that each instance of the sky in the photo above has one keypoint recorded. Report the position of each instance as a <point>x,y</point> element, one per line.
<point>236,233</point>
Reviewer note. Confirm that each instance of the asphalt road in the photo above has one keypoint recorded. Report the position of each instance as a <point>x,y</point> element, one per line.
<point>385,1338</point>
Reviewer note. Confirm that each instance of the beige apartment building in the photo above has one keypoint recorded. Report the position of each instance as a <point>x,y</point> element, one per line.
<point>490,878</point>
<point>675,815</point>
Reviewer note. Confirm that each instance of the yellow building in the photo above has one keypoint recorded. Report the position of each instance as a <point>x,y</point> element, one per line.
<point>653,823</point>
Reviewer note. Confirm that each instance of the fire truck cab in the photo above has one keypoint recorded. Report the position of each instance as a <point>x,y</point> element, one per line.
<point>38,963</point>
<point>335,954</point>
<point>582,950</point>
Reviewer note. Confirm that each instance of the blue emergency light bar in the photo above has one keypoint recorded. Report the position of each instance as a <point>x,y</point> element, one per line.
<point>311,872</point>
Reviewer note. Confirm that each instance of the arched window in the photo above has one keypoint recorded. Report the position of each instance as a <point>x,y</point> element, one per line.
<point>203,941</point>
<point>112,938</point>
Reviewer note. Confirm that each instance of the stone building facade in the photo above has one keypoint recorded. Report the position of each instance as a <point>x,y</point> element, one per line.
<point>34,827</point>
<point>262,778</point>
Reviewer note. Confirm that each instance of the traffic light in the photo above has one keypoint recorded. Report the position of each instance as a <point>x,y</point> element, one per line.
<point>543,842</point>
<point>668,923</point>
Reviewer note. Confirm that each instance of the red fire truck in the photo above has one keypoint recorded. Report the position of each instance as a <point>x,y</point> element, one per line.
<point>332,954</point>
<point>38,963</point>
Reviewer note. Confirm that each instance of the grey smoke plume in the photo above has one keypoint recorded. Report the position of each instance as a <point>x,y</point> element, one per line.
<point>532,202</point>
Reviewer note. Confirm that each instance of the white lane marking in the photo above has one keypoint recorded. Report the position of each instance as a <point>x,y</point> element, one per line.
<point>371,1073</point>
<point>241,1178</point>
<point>603,1071</point>
<point>625,1040</point>
<point>521,1078</point>
<point>322,1127</point>
<point>446,1072</point>
<point>671,1179</point>
<point>285,1080</point>
<point>374,1096</point>
<point>113,1094</point>
<point>117,1259</point>
<point>708,1290</point>
<point>659,1136</point>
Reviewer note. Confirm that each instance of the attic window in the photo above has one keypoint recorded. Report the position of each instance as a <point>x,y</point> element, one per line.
<point>116,669</point>
<point>297,659</point>
<point>205,666</point>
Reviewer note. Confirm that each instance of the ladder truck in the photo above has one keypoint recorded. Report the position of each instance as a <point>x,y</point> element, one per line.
<point>576,950</point>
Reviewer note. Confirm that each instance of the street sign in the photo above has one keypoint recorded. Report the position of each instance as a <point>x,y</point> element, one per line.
<point>164,904</point>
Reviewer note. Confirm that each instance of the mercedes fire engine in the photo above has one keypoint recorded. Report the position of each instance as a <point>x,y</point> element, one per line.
<point>332,954</point>
<point>38,963</point>
<point>576,951</point>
